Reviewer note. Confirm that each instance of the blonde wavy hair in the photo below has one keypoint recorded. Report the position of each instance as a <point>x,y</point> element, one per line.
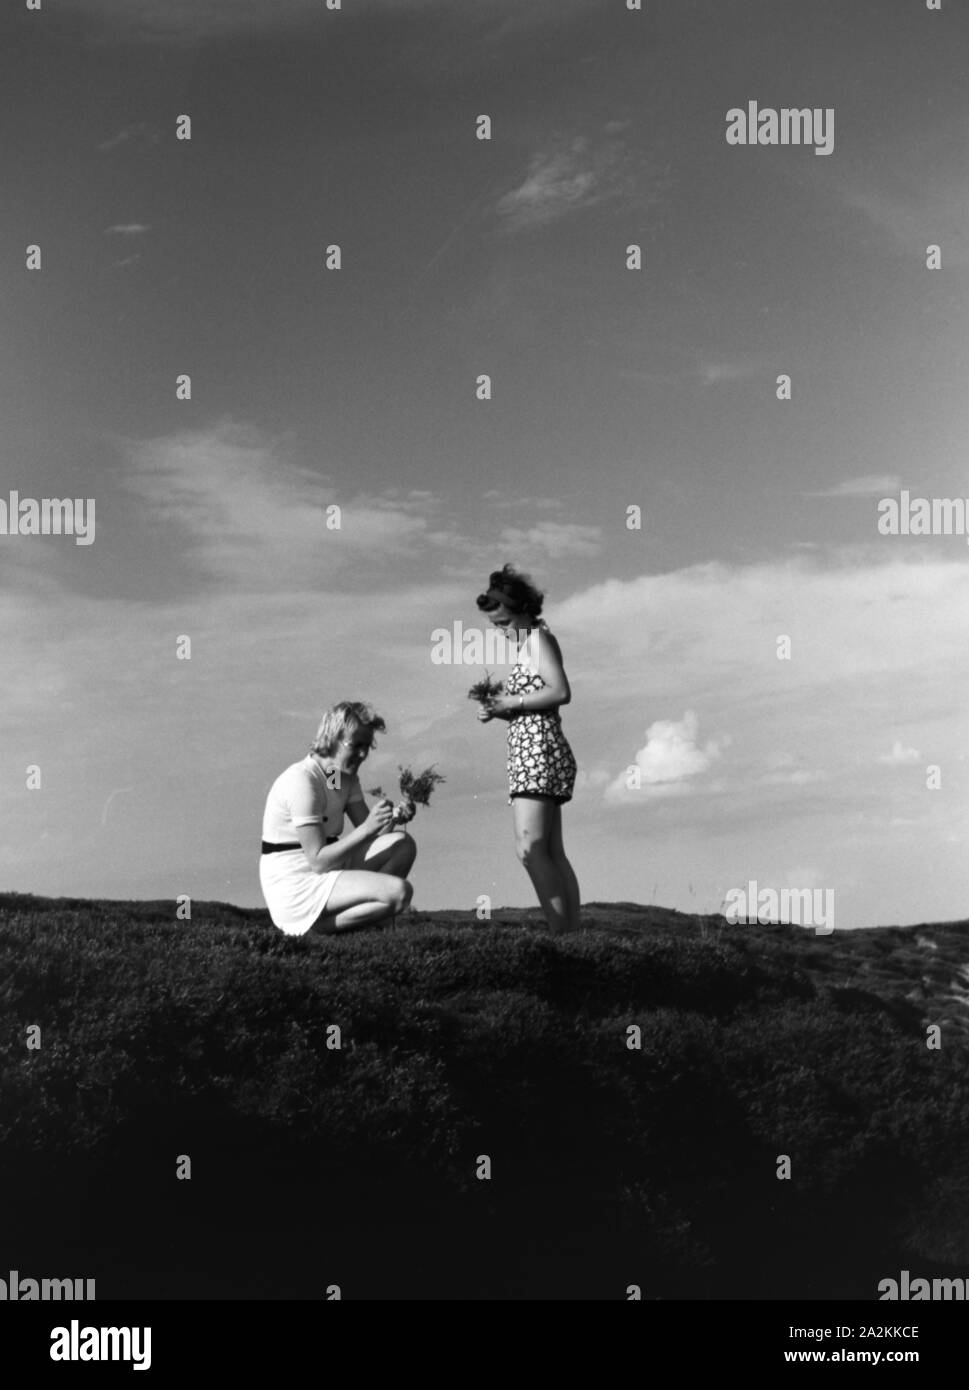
<point>342,721</point>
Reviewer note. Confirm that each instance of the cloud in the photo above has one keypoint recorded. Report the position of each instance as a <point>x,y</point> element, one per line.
<point>900,756</point>
<point>127,229</point>
<point>237,508</point>
<point>912,219</point>
<point>710,372</point>
<point>140,132</point>
<point>864,632</point>
<point>290,627</point>
<point>908,200</point>
<point>591,778</point>
<point>852,619</point>
<point>669,756</point>
<point>501,499</point>
<point>869,485</point>
<point>188,22</point>
<point>573,176</point>
<point>554,185</point>
<point>799,777</point>
<point>555,539</point>
<point>509,18</point>
<point>784,772</point>
<point>714,372</point>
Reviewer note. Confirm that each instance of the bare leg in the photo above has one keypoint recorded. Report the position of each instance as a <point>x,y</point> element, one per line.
<point>557,851</point>
<point>393,852</point>
<point>361,899</point>
<point>533,823</point>
<point>364,915</point>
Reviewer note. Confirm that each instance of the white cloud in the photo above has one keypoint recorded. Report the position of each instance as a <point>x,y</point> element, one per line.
<point>900,756</point>
<point>576,175</point>
<point>714,372</point>
<point>127,229</point>
<point>709,371</point>
<point>670,756</point>
<point>870,485</point>
<point>139,132</point>
<point>851,619</point>
<point>289,625</point>
<point>555,539</point>
<point>591,777</point>
<point>909,199</point>
<point>554,185</point>
<point>237,508</point>
<point>502,500</point>
<point>799,777</point>
<point>783,772</point>
<point>934,212</point>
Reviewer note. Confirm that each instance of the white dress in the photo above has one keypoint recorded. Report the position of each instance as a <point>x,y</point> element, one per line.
<point>295,895</point>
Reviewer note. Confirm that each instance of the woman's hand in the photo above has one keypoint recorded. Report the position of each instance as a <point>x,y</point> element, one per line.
<point>405,811</point>
<point>503,705</point>
<point>380,818</point>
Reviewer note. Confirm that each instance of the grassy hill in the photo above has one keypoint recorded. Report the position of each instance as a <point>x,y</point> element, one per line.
<point>356,1165</point>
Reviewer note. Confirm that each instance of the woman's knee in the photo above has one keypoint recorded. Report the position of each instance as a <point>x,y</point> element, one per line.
<point>406,848</point>
<point>390,850</point>
<point>398,893</point>
<point>530,849</point>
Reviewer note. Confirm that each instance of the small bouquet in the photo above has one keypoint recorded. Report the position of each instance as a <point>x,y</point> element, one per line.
<point>416,791</point>
<point>486,691</point>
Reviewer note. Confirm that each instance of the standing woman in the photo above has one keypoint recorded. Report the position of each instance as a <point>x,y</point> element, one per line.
<point>312,880</point>
<point>541,766</point>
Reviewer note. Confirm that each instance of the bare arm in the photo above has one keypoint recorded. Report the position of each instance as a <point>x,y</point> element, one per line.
<point>557,691</point>
<point>549,666</point>
<point>323,858</point>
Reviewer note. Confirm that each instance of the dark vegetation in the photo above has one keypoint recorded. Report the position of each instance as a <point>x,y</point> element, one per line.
<point>314,1166</point>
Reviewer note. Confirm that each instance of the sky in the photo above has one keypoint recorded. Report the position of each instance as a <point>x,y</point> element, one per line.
<point>835,760</point>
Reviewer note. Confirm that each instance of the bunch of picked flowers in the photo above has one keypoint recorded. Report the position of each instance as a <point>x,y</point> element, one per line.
<point>415,790</point>
<point>486,691</point>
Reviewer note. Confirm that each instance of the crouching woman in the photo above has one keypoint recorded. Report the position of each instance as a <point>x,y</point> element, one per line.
<point>314,878</point>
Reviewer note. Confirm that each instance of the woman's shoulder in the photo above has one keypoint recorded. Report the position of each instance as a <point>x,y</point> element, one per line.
<point>542,635</point>
<point>306,771</point>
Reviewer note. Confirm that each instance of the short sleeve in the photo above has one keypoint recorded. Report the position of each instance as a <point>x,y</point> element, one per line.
<point>356,792</point>
<point>307,800</point>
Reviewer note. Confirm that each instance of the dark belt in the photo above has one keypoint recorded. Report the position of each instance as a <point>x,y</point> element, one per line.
<point>267,848</point>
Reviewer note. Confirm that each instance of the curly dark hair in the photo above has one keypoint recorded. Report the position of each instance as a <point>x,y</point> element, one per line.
<point>518,593</point>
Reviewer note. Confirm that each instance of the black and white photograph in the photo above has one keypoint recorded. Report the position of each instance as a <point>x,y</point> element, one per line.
<point>484,603</point>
